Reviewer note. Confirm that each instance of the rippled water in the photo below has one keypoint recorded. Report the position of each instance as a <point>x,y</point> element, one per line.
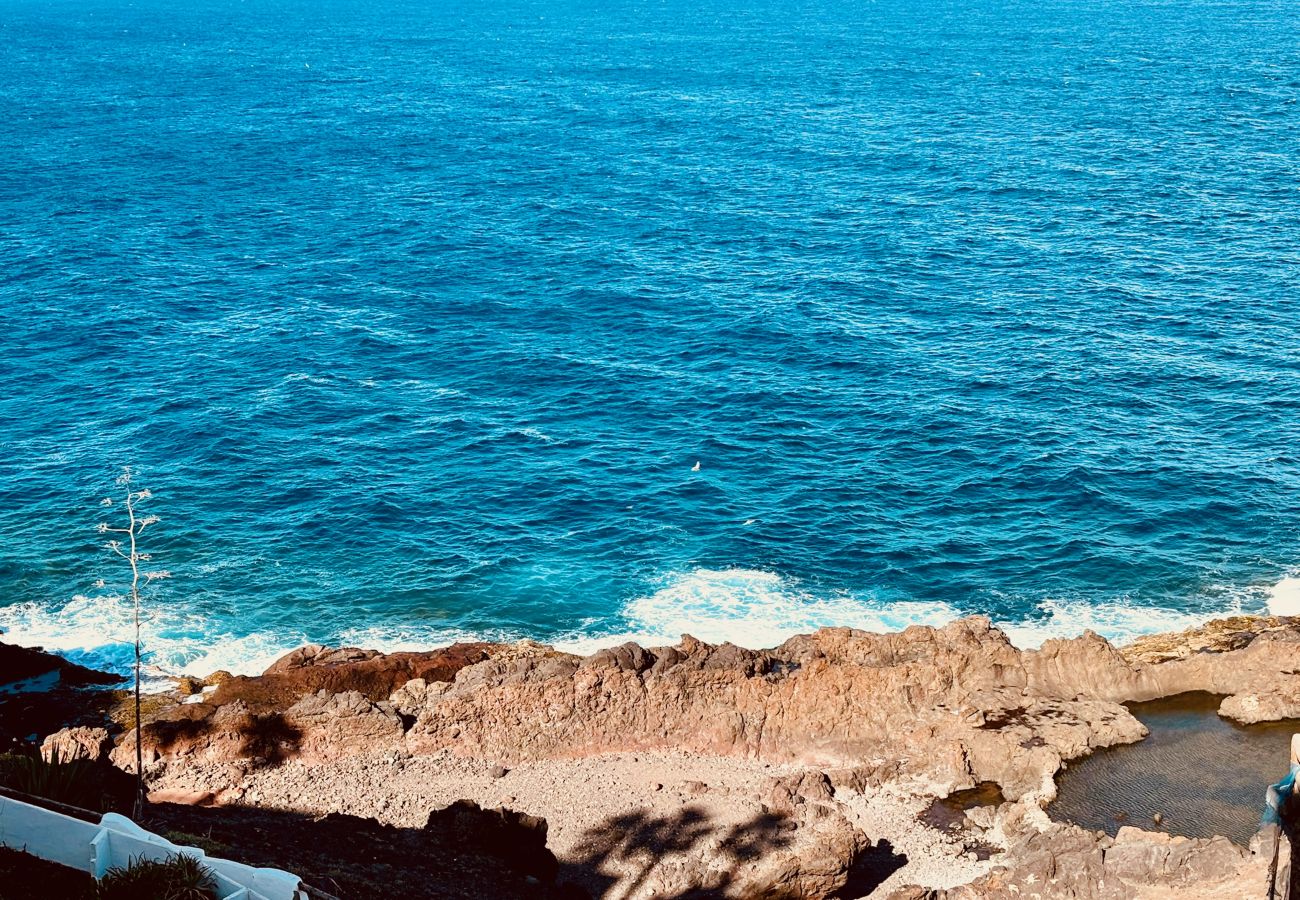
<point>1201,774</point>
<point>417,318</point>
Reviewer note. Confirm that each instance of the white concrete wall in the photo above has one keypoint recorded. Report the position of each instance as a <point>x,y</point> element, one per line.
<point>116,841</point>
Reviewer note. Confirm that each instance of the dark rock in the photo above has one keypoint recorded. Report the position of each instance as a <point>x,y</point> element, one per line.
<point>18,664</point>
<point>463,853</point>
<point>41,693</point>
<point>518,839</point>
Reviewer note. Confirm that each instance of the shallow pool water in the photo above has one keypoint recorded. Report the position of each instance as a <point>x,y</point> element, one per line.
<point>1202,774</point>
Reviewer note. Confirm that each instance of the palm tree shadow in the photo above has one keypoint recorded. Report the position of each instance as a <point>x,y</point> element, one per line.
<point>618,856</point>
<point>464,852</point>
<point>264,740</point>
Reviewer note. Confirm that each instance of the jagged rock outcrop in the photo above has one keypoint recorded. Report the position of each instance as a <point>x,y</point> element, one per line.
<point>822,847</point>
<point>20,664</point>
<point>374,675</point>
<point>951,704</point>
<point>954,705</point>
<point>81,742</point>
<point>1254,661</point>
<point>314,700</point>
<point>41,693</point>
<point>1215,636</point>
<point>936,709</point>
<point>1051,860</point>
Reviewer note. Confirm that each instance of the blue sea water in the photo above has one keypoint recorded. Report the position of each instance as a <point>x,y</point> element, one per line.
<point>417,317</point>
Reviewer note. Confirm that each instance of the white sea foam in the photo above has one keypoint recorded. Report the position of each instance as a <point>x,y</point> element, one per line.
<point>307,377</point>
<point>749,607</point>
<point>98,632</point>
<point>1119,621</point>
<point>391,639</point>
<point>250,654</point>
<point>533,433</point>
<point>1284,597</point>
<point>89,630</point>
<point>759,609</point>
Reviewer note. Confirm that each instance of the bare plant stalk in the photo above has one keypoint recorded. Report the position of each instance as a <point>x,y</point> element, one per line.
<point>135,527</point>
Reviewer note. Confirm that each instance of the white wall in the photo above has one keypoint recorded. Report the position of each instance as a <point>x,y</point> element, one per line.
<point>116,841</point>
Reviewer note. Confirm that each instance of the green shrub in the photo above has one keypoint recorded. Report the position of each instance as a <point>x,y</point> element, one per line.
<point>76,782</point>
<point>180,877</point>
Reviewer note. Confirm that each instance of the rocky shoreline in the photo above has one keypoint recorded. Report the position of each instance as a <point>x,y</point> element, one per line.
<point>711,770</point>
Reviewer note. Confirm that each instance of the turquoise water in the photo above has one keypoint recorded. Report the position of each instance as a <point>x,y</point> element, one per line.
<point>417,318</point>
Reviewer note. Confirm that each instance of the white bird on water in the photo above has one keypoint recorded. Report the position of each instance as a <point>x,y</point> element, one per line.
<point>696,467</point>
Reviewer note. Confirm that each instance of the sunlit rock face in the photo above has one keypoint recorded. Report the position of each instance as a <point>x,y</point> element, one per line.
<point>955,705</point>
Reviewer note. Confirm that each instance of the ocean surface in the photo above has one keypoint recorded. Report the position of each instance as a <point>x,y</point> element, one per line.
<point>577,321</point>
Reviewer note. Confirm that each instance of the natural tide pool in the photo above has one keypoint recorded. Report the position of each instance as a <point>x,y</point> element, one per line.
<point>1203,774</point>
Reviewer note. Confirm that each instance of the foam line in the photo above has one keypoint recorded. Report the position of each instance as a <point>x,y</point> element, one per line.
<point>749,607</point>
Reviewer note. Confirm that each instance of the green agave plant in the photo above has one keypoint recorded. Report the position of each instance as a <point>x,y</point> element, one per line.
<point>76,782</point>
<point>179,877</point>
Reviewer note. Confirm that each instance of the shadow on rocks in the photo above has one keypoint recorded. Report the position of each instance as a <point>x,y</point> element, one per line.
<point>620,855</point>
<point>870,870</point>
<point>468,853</point>
<point>462,853</point>
<point>41,693</point>
<point>265,740</point>
<point>270,737</point>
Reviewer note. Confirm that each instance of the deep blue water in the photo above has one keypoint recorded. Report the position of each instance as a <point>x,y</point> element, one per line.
<point>416,317</point>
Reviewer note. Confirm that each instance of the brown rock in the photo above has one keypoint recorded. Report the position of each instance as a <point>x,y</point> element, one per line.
<point>77,743</point>
<point>376,676</point>
<point>955,705</point>
<point>184,798</point>
<point>1215,636</point>
<point>950,707</point>
<point>628,658</point>
<point>1069,862</point>
<point>790,791</point>
<point>1145,857</point>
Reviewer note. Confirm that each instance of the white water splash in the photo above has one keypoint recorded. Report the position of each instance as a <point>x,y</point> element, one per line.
<point>1284,597</point>
<point>98,632</point>
<point>753,608</point>
<point>1119,621</point>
